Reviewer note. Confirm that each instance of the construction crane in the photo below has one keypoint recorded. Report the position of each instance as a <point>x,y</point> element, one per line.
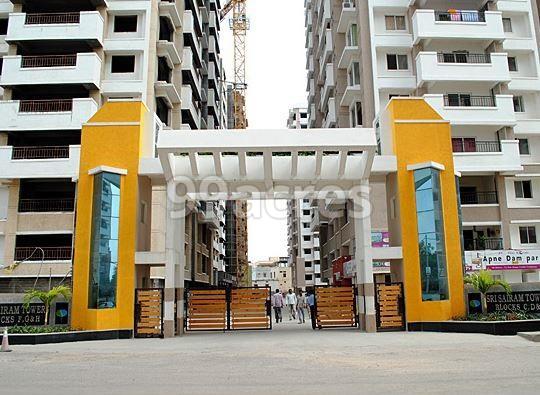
<point>239,24</point>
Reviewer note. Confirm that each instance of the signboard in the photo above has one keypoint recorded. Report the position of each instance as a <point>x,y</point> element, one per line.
<point>381,267</point>
<point>380,239</point>
<point>14,314</point>
<point>502,260</point>
<point>526,301</point>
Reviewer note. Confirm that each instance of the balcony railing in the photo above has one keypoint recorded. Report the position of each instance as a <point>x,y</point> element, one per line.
<point>479,197</point>
<point>460,16</point>
<point>472,145</point>
<point>46,205</point>
<point>483,244</point>
<point>48,61</point>
<point>53,18</point>
<point>469,101</point>
<point>47,152</point>
<point>57,105</point>
<point>476,58</point>
<point>49,253</point>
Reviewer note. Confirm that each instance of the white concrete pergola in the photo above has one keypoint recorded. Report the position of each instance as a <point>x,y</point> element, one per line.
<point>265,164</point>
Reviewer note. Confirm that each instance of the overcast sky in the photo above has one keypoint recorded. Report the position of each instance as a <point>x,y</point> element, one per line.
<point>276,78</point>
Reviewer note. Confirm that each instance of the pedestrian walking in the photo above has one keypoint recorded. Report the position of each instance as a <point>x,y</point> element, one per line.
<point>311,303</point>
<point>300,306</point>
<point>277,304</point>
<point>291,301</point>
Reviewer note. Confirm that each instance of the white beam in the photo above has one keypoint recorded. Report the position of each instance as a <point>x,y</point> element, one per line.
<point>242,164</point>
<point>318,163</point>
<point>342,162</point>
<point>294,164</point>
<point>194,164</point>
<point>268,173</point>
<point>217,164</point>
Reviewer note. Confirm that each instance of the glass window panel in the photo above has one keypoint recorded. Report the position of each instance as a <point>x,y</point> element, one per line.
<point>391,62</point>
<point>403,63</point>
<point>104,248</point>
<point>431,235</point>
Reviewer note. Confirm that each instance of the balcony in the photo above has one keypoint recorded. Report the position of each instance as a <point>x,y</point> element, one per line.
<point>326,48</point>
<point>466,25</point>
<point>330,120</point>
<point>45,253</point>
<point>448,68</point>
<point>329,85</point>
<point>39,162</point>
<point>475,198</point>
<point>86,26</point>
<point>46,205</point>
<point>170,51</point>
<point>46,114</point>
<point>492,111</point>
<point>82,68</point>
<point>208,214</point>
<point>193,40</point>
<point>481,244</point>
<point>168,91</point>
<point>189,106</point>
<point>489,156</point>
<point>350,54</point>
<point>169,9</point>
<point>351,94</point>
<point>189,66</point>
<point>348,15</point>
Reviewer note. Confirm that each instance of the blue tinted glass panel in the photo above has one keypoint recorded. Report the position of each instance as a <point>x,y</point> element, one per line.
<point>430,235</point>
<point>104,248</point>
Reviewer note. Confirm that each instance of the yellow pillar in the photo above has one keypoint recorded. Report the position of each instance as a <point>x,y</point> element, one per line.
<point>111,141</point>
<point>418,136</point>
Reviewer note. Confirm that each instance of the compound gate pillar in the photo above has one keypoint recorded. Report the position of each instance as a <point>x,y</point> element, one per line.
<point>363,258</point>
<point>175,263</point>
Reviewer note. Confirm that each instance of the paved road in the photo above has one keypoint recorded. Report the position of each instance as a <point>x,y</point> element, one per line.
<point>290,359</point>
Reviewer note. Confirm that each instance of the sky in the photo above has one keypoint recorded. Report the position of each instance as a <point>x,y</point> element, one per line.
<point>276,78</point>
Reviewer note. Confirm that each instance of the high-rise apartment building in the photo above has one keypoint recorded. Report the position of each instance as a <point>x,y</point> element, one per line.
<point>298,118</point>
<point>475,63</point>
<point>60,62</point>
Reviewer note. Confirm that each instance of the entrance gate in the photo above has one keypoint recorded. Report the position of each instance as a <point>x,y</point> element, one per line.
<point>335,307</point>
<point>148,313</point>
<point>228,309</point>
<point>390,306</point>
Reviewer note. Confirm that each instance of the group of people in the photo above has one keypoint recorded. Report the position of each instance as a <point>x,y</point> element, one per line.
<point>296,305</point>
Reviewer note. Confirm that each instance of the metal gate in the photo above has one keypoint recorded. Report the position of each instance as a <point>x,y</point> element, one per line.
<point>228,309</point>
<point>335,307</point>
<point>390,306</point>
<point>148,313</point>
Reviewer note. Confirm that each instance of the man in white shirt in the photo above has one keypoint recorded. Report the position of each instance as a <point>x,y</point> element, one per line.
<point>277,304</point>
<point>291,301</point>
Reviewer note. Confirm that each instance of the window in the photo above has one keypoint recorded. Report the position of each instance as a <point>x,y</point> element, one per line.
<point>3,27</point>
<point>142,213</point>
<point>305,225</point>
<point>397,62</point>
<point>527,234</point>
<point>354,74</point>
<point>104,241</point>
<point>309,277</point>
<point>125,23</point>
<point>463,144</point>
<point>507,25</point>
<point>352,36</point>
<point>306,212</point>
<point>307,238</point>
<point>518,104</point>
<point>356,114</point>
<point>308,264</point>
<point>123,64</point>
<point>431,234</point>
<point>395,22</point>
<point>524,147</point>
<point>307,251</point>
<point>523,189</point>
<point>512,63</point>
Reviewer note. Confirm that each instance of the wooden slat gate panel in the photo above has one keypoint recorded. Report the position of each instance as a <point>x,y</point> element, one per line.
<point>148,313</point>
<point>249,309</point>
<point>390,306</point>
<point>206,310</point>
<point>335,307</point>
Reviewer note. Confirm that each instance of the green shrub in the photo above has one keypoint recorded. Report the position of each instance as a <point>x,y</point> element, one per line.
<point>500,316</point>
<point>40,329</point>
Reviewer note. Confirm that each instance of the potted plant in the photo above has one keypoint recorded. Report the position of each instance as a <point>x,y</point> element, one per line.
<point>482,282</point>
<point>46,297</point>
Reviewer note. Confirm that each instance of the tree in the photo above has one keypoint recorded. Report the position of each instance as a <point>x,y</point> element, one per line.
<point>482,282</point>
<point>46,297</point>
